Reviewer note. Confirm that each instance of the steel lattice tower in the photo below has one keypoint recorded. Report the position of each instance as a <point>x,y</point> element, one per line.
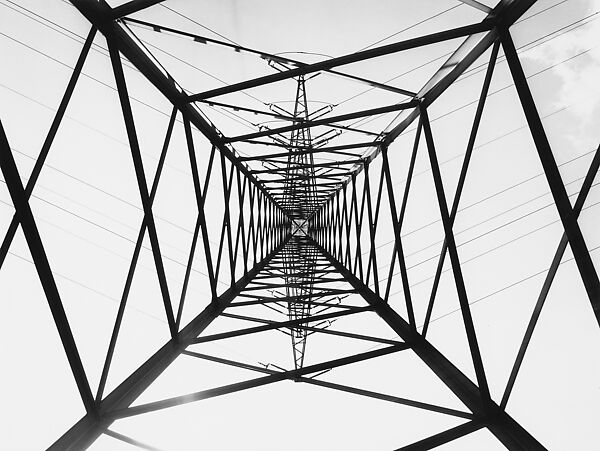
<point>299,235</point>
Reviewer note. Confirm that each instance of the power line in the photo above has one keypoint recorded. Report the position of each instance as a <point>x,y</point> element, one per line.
<point>112,232</point>
<point>492,294</point>
<point>470,72</point>
<point>491,196</point>
<point>366,47</point>
<point>89,288</point>
<point>446,55</point>
<point>411,27</point>
<point>483,235</point>
<point>104,52</point>
<point>197,23</point>
<point>51,58</point>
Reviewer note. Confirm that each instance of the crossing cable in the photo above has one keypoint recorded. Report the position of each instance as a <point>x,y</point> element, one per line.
<point>470,72</point>
<point>102,191</point>
<point>106,229</point>
<point>496,228</point>
<point>512,240</point>
<point>491,196</point>
<point>71,35</point>
<point>197,23</point>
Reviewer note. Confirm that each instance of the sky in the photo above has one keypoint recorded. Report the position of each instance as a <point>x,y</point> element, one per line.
<point>88,210</point>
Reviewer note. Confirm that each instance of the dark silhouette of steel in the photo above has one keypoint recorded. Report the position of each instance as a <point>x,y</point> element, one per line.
<point>301,227</point>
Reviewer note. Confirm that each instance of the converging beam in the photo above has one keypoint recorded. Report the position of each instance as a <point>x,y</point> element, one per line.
<point>504,427</point>
<point>90,427</point>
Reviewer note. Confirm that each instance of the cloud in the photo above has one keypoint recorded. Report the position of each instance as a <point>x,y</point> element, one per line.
<point>576,56</point>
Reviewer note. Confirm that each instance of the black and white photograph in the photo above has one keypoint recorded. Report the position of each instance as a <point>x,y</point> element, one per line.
<point>266,225</point>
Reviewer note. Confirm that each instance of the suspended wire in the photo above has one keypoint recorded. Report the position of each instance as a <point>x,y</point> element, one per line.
<point>89,288</point>
<point>446,55</point>
<point>583,52</point>
<point>489,232</point>
<point>487,198</point>
<point>233,42</point>
<point>82,73</point>
<point>104,51</point>
<point>162,5</point>
<point>366,120</point>
<point>62,30</point>
<point>490,295</point>
<point>470,72</point>
<point>366,47</point>
<point>107,229</point>
<point>410,27</point>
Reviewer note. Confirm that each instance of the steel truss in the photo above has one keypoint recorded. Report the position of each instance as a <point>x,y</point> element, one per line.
<point>299,250</point>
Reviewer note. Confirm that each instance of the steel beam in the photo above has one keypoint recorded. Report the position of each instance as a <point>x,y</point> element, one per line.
<point>503,426</point>
<point>326,121</point>
<point>408,44</point>
<point>252,383</point>
<point>90,427</point>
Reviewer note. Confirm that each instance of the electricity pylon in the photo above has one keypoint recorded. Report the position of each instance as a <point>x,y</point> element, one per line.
<point>311,229</point>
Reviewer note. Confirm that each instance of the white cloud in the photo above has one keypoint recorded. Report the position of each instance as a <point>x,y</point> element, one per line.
<point>579,75</point>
